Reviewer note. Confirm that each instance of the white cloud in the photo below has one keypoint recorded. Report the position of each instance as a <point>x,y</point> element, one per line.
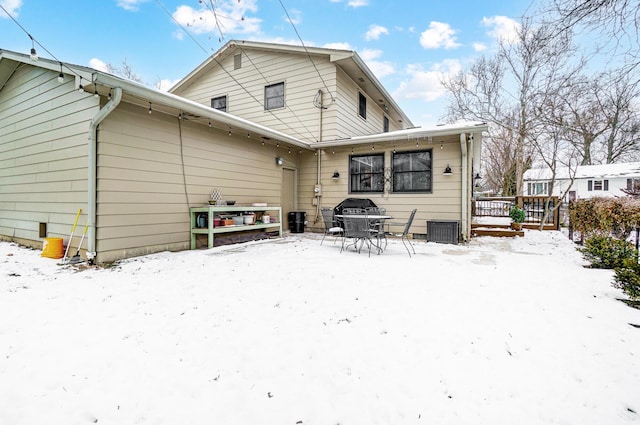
<point>339,46</point>
<point>502,28</point>
<point>178,34</point>
<point>358,3</point>
<point>12,7</point>
<point>380,69</point>
<point>165,85</point>
<point>96,63</point>
<point>231,18</point>
<point>479,47</point>
<point>353,3</point>
<point>375,31</point>
<point>295,17</point>
<point>426,84</point>
<point>131,5</point>
<point>439,35</point>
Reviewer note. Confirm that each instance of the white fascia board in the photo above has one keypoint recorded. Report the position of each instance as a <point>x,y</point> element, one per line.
<point>407,135</point>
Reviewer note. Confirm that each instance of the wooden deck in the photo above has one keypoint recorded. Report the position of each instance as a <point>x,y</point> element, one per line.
<point>495,230</point>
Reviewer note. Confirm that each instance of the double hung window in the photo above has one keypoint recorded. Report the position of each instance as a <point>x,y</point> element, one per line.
<point>412,171</point>
<point>366,173</point>
<point>274,96</point>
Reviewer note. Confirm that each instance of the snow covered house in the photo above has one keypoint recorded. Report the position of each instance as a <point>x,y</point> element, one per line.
<point>589,181</point>
<point>136,160</point>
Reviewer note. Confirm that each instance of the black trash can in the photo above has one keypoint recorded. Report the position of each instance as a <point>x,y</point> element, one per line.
<point>296,221</point>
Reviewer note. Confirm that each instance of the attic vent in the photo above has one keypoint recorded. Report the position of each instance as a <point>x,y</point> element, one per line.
<point>237,61</point>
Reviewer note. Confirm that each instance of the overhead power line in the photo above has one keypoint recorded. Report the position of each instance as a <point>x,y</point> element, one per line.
<point>247,91</point>
<point>306,50</point>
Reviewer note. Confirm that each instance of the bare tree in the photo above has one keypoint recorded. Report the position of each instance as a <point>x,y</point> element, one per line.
<point>555,148</point>
<point>601,118</point>
<point>510,89</point>
<point>616,105</point>
<point>616,20</point>
<point>126,71</point>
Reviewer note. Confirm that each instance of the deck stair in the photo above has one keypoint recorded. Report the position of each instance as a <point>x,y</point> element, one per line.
<point>496,230</point>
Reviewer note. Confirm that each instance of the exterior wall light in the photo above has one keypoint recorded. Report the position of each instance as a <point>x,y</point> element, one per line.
<point>447,171</point>
<point>279,160</point>
<point>336,175</point>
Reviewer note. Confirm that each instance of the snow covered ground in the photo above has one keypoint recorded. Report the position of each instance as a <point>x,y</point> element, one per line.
<point>499,331</point>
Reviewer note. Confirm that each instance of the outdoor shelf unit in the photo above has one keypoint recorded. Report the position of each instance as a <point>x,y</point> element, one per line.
<point>210,230</point>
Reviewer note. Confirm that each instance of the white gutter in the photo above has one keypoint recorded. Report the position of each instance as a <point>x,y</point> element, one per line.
<point>405,135</point>
<point>194,108</point>
<point>116,96</point>
<point>465,190</point>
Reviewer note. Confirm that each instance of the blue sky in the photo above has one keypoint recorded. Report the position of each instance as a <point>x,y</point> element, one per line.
<point>407,44</point>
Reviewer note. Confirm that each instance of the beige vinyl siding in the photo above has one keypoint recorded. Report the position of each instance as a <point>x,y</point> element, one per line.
<point>142,204</point>
<point>244,89</point>
<point>43,146</point>
<point>349,122</point>
<point>444,203</point>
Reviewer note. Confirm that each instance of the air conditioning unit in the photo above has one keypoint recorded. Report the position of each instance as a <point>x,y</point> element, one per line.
<point>443,231</point>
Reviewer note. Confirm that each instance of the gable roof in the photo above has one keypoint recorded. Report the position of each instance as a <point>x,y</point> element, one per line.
<point>624,169</point>
<point>170,103</point>
<point>348,60</point>
<point>135,93</point>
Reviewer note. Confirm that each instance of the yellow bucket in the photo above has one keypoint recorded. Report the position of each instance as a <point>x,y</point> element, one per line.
<point>52,248</point>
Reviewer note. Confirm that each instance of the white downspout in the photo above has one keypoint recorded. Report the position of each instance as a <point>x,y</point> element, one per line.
<point>464,195</point>
<point>116,96</point>
<point>318,157</point>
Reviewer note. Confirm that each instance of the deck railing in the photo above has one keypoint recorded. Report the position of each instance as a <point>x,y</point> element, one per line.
<point>533,207</point>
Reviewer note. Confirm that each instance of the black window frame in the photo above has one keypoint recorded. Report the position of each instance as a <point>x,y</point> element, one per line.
<point>268,98</point>
<point>362,180</point>
<point>397,175</point>
<point>362,105</point>
<point>214,99</point>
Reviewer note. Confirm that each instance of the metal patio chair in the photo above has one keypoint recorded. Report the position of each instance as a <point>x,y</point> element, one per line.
<point>404,236</point>
<point>357,228</point>
<point>331,226</point>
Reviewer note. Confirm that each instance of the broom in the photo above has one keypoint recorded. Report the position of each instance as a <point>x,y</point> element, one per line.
<point>73,229</point>
<point>76,258</point>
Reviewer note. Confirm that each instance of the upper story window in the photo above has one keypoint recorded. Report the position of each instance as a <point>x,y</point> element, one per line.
<point>274,96</point>
<point>366,173</point>
<point>412,171</point>
<point>597,185</point>
<point>385,124</point>
<point>362,105</point>
<point>219,103</point>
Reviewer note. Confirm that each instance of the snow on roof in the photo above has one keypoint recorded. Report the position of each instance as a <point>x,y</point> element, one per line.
<point>626,169</point>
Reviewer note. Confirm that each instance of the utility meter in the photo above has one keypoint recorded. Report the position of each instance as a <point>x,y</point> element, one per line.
<point>317,190</point>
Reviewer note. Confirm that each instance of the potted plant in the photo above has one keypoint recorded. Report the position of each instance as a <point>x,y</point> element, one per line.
<point>517,217</point>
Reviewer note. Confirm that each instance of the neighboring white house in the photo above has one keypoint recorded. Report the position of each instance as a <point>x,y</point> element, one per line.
<point>590,181</point>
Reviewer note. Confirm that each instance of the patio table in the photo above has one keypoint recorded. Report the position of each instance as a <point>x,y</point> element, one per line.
<point>376,223</point>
